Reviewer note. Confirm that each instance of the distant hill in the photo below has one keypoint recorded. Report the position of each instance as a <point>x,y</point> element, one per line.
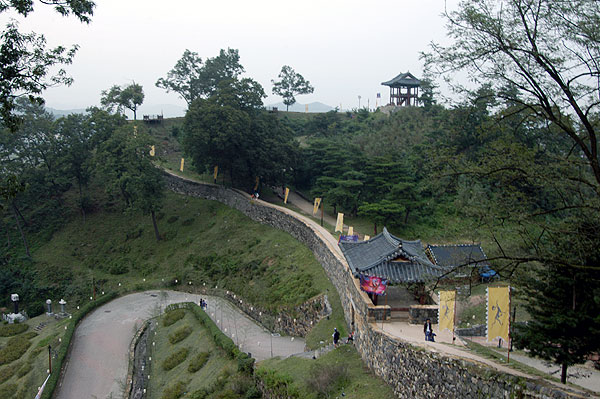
<point>312,107</point>
<point>167,110</point>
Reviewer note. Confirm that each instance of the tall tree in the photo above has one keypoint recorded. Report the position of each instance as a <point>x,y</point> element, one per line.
<point>124,162</point>
<point>130,97</point>
<point>563,304</point>
<point>26,61</point>
<point>545,52</point>
<point>184,78</point>
<point>289,85</point>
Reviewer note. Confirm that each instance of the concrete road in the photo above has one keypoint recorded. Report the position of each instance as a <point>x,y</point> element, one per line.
<point>98,362</point>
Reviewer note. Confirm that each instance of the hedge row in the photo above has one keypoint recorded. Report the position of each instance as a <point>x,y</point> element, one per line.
<point>175,359</point>
<point>66,341</point>
<point>180,334</point>
<point>13,329</point>
<point>245,362</point>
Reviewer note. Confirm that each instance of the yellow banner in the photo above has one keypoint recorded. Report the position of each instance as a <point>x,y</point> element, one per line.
<point>152,152</point>
<point>182,162</point>
<point>287,192</point>
<point>366,238</point>
<point>350,231</point>
<point>339,226</point>
<point>216,172</point>
<point>447,309</point>
<point>256,184</point>
<point>316,205</point>
<point>498,312</point>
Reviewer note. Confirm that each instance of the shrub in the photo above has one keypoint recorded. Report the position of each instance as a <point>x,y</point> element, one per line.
<point>198,361</point>
<point>201,393</point>
<point>172,219</point>
<point>29,335</point>
<point>180,334</point>
<point>173,316</point>
<point>9,330</point>
<point>8,390</point>
<point>175,390</point>
<point>6,372</point>
<point>23,370</point>
<point>14,349</point>
<point>325,378</point>
<point>280,385</point>
<point>188,222</point>
<point>175,359</point>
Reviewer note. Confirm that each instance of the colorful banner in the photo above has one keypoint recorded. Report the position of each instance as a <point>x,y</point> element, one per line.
<point>287,192</point>
<point>447,310</point>
<point>316,205</point>
<point>216,172</point>
<point>366,238</point>
<point>350,231</point>
<point>152,151</point>
<point>182,162</point>
<point>348,238</point>
<point>339,225</point>
<point>498,312</point>
<point>373,285</point>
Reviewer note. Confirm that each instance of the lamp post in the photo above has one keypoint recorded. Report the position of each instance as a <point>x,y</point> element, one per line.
<point>359,97</point>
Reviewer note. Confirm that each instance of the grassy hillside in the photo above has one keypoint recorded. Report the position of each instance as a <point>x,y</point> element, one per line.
<point>335,374</point>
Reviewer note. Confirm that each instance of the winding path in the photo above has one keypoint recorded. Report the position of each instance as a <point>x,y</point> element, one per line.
<point>98,362</point>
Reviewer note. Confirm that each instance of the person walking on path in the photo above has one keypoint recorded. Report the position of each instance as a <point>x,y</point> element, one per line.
<point>336,337</point>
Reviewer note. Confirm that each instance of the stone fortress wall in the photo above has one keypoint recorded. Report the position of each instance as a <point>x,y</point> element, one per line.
<point>413,372</point>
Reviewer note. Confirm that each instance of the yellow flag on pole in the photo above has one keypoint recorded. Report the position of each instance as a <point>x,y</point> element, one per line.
<point>316,205</point>
<point>498,312</point>
<point>152,152</point>
<point>366,237</point>
<point>216,172</point>
<point>350,231</point>
<point>256,184</point>
<point>339,226</point>
<point>182,162</point>
<point>446,311</point>
<point>287,192</point>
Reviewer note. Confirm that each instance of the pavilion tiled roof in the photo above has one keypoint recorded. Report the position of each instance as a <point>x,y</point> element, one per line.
<point>403,80</point>
<point>377,257</point>
<point>452,256</point>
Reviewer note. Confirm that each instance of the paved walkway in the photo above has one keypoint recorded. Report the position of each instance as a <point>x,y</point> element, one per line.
<point>98,362</point>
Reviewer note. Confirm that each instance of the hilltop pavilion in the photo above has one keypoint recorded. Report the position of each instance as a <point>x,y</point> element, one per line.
<point>404,90</point>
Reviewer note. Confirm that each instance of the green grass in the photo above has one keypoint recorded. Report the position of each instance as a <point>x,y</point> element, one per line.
<point>358,384</point>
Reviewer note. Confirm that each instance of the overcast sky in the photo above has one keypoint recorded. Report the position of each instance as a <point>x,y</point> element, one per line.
<point>344,48</point>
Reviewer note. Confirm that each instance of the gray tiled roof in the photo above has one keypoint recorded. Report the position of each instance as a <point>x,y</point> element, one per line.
<point>458,255</point>
<point>404,79</point>
<point>375,258</point>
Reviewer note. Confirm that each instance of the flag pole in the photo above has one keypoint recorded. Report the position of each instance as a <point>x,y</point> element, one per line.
<point>509,326</point>
<point>454,318</point>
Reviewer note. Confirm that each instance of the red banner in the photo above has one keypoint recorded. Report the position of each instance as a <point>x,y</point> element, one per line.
<point>373,285</point>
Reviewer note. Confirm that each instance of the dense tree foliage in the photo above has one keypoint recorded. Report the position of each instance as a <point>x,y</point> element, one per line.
<point>129,96</point>
<point>231,129</point>
<point>191,79</point>
<point>26,61</point>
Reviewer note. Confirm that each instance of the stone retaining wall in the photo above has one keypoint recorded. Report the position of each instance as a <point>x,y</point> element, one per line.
<point>413,372</point>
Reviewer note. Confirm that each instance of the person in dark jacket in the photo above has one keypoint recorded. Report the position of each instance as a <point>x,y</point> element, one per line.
<point>428,330</point>
<point>336,337</point>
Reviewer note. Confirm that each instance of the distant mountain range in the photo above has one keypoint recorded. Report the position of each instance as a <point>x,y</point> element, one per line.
<point>174,111</point>
<point>312,107</point>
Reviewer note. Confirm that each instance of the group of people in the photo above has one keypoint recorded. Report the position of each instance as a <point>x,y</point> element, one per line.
<point>203,304</point>
<point>336,337</point>
<point>428,330</point>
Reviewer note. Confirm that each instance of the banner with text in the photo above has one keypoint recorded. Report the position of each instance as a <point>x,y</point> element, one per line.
<point>339,225</point>
<point>316,205</point>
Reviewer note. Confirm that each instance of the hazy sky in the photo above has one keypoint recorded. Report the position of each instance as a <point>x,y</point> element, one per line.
<point>344,48</point>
